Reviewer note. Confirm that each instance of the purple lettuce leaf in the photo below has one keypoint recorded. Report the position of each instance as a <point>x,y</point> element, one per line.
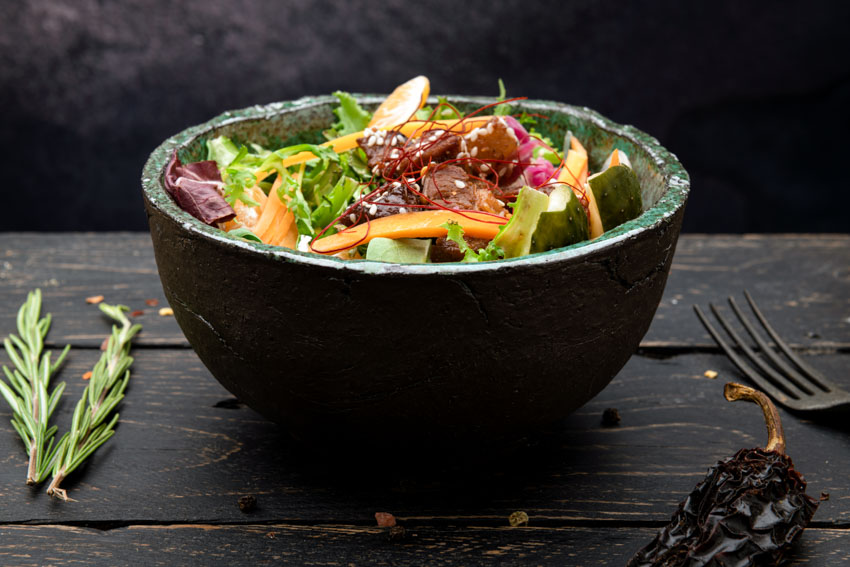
<point>196,188</point>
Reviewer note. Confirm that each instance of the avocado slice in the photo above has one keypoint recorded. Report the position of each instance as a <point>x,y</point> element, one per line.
<point>515,236</point>
<point>399,250</point>
<point>562,224</point>
<point>617,193</point>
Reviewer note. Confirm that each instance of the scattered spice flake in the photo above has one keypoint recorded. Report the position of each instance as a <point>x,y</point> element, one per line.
<point>94,299</point>
<point>104,344</point>
<point>87,375</point>
<point>151,302</point>
<point>385,519</point>
<point>518,518</point>
<point>710,374</point>
<point>137,313</point>
<point>247,503</point>
<point>610,417</point>
<point>271,535</point>
<point>166,311</point>
<point>824,496</point>
<point>397,532</point>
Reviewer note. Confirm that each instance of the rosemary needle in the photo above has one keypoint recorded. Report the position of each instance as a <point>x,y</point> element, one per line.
<point>105,390</point>
<point>30,379</point>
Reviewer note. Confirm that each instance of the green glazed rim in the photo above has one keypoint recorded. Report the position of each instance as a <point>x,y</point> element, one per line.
<point>661,165</point>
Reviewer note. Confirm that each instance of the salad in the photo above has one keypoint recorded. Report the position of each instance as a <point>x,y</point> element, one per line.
<point>411,184</point>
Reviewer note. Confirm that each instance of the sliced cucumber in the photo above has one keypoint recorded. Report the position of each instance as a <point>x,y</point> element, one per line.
<point>563,223</point>
<point>617,193</point>
<point>399,250</point>
<point>515,237</point>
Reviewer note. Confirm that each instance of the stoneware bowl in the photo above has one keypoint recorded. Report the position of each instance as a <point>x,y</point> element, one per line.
<point>369,352</point>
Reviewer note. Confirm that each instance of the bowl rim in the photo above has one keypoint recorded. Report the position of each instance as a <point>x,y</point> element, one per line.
<point>672,200</point>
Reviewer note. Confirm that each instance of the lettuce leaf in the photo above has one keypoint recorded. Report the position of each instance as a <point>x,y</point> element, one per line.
<point>195,187</point>
<point>351,117</point>
<point>502,109</point>
<point>491,252</point>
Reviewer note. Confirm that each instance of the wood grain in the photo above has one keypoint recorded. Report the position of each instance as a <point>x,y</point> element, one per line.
<point>287,544</point>
<point>802,283</point>
<point>164,491</point>
<point>181,454</point>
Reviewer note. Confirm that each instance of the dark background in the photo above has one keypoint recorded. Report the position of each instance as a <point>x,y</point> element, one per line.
<point>752,96</point>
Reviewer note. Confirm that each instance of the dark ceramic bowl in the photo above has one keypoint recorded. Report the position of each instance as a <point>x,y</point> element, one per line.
<point>373,351</point>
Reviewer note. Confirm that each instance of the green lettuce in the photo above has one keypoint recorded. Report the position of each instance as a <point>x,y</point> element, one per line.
<point>491,252</point>
<point>351,117</point>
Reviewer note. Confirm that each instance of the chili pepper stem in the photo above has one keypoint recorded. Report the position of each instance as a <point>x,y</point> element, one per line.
<point>775,435</point>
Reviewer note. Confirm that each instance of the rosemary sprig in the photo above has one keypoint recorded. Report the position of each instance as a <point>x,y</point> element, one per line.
<point>105,390</point>
<point>30,379</point>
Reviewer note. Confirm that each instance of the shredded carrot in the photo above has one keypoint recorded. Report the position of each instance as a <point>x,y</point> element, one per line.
<point>421,224</point>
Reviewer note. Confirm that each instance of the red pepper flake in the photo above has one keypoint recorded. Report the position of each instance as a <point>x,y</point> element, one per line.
<point>137,313</point>
<point>87,375</point>
<point>104,344</point>
<point>385,519</point>
<point>151,302</point>
<point>94,299</point>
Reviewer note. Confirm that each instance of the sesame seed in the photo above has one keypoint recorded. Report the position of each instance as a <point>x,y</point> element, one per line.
<point>501,203</point>
<point>410,180</point>
<point>394,154</point>
<point>433,138</point>
<point>396,184</point>
<point>352,217</point>
<point>490,127</point>
<point>474,151</point>
<point>502,171</point>
<point>485,168</point>
<point>402,210</point>
<point>375,170</point>
<point>459,184</point>
<point>371,141</point>
<point>373,210</point>
<point>473,135</point>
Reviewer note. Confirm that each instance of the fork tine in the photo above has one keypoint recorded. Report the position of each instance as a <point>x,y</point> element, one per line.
<point>795,377</point>
<point>810,372</point>
<point>754,376</point>
<point>772,375</point>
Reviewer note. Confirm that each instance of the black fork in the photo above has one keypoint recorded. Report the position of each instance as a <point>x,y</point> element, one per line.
<point>801,389</point>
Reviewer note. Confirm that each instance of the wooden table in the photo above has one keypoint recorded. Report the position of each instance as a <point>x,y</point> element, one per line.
<point>164,491</point>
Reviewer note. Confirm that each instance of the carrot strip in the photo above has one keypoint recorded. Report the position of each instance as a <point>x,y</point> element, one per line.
<point>421,224</point>
<point>274,212</point>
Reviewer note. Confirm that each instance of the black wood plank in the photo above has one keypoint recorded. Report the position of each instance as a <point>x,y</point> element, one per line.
<point>181,455</point>
<point>71,267</point>
<point>282,544</point>
<point>803,283</point>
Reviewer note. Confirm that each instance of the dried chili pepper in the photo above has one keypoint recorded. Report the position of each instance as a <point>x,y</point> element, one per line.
<point>747,511</point>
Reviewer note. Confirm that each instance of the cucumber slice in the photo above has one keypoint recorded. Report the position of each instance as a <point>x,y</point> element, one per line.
<point>563,223</point>
<point>617,193</point>
<point>515,237</point>
<point>399,250</point>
